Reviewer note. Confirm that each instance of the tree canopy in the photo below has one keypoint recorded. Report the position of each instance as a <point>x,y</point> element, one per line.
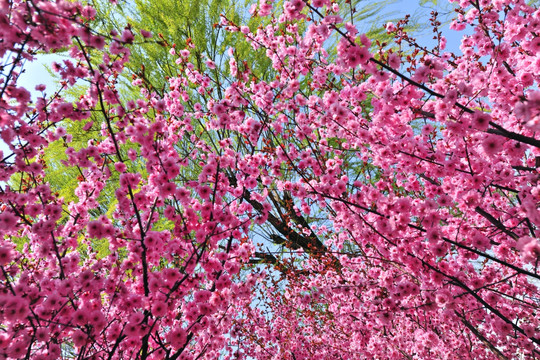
<point>279,186</point>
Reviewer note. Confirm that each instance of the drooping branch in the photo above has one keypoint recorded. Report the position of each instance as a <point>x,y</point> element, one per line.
<point>481,337</point>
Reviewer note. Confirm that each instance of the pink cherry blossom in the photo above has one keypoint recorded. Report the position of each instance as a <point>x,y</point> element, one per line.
<point>381,203</point>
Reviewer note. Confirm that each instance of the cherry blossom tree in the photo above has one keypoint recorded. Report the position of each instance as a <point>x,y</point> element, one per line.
<point>379,204</point>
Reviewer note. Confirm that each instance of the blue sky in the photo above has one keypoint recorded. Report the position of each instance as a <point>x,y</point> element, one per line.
<point>35,73</point>
<point>422,13</point>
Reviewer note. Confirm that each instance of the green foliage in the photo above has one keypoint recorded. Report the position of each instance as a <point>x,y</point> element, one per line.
<point>63,179</point>
<point>20,242</point>
<point>180,24</point>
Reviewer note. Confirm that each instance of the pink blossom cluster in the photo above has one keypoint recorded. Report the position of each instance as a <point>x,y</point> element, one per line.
<point>397,193</point>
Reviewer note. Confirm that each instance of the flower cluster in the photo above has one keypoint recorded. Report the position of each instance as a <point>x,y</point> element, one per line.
<point>378,204</point>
